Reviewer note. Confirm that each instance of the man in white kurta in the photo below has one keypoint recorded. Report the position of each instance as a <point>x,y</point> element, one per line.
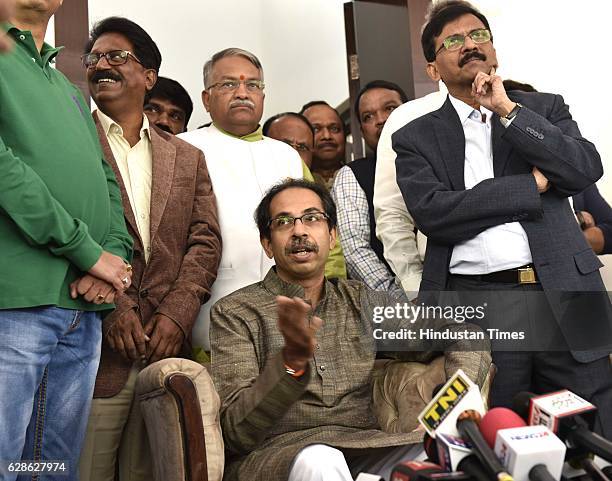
<point>243,165</point>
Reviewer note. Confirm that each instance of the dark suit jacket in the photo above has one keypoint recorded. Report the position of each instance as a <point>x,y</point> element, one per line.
<point>591,201</point>
<point>185,247</point>
<point>430,162</point>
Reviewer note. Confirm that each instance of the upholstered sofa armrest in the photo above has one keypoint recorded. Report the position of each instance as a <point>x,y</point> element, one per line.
<point>180,407</point>
<point>401,390</point>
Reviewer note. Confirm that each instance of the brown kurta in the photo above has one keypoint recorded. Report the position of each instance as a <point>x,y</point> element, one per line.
<point>267,416</point>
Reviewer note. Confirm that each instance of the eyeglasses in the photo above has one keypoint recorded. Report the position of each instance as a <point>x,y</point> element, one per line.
<point>297,146</point>
<point>230,85</point>
<point>455,42</point>
<point>114,58</point>
<point>286,222</point>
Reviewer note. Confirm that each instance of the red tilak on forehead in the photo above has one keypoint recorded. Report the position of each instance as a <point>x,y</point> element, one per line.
<point>242,77</point>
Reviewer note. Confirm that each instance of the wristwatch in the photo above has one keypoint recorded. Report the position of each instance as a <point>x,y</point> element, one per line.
<point>506,120</point>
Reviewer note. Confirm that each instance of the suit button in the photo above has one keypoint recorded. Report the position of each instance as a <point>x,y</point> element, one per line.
<point>144,293</point>
<point>540,136</point>
<point>322,368</point>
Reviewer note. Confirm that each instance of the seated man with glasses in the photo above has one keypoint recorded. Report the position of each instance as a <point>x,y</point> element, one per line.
<point>487,178</point>
<point>243,164</point>
<point>293,356</point>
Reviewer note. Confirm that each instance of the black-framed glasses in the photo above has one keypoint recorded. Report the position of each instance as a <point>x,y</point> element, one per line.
<point>455,42</point>
<point>229,85</point>
<point>114,58</point>
<point>286,222</point>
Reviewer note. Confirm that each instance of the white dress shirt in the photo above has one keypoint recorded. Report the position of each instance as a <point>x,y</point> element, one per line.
<point>500,247</point>
<point>136,168</point>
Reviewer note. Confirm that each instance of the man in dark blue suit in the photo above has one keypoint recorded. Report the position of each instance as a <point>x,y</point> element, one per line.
<point>486,178</point>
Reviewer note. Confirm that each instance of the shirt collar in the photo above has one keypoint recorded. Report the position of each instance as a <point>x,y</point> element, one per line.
<point>111,127</point>
<point>47,52</point>
<point>254,136</point>
<point>464,110</point>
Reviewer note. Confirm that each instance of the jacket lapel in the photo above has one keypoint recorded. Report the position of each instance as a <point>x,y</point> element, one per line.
<point>452,143</point>
<point>164,157</point>
<point>110,159</point>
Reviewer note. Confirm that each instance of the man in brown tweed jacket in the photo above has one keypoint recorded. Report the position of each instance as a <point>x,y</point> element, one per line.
<point>296,388</point>
<point>171,213</point>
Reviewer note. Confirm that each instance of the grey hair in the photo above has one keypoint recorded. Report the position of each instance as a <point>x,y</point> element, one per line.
<point>229,52</point>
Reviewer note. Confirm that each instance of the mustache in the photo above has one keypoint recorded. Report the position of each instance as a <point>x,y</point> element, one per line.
<point>298,244</point>
<point>243,103</point>
<point>105,74</point>
<point>470,55</point>
<point>327,143</point>
<point>165,128</point>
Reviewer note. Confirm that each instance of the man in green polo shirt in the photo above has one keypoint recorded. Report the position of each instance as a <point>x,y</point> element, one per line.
<point>61,223</point>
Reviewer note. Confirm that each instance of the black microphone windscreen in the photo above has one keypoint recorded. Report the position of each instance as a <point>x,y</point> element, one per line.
<point>436,390</point>
<point>520,404</point>
<point>429,444</point>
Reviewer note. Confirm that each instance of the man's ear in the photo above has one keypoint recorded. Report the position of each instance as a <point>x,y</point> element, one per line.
<point>333,234</point>
<point>206,100</point>
<point>150,79</point>
<point>432,71</point>
<point>267,247</point>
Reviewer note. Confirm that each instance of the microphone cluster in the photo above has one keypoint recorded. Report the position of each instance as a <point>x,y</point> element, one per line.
<point>533,441</point>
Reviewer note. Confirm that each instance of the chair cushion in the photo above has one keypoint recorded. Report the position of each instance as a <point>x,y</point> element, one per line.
<point>162,418</point>
<point>402,391</point>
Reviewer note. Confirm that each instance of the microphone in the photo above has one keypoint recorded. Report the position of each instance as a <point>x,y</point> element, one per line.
<point>594,471</point>
<point>454,454</point>
<point>496,419</point>
<point>458,394</point>
<point>531,453</point>
<point>472,466</point>
<point>451,450</point>
<point>430,447</point>
<point>425,471</point>
<point>567,415</point>
<point>468,428</point>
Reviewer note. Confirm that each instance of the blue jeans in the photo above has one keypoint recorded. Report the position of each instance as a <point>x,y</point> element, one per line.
<point>48,362</point>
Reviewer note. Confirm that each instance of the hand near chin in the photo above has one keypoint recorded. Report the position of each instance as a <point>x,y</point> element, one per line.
<point>489,91</point>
